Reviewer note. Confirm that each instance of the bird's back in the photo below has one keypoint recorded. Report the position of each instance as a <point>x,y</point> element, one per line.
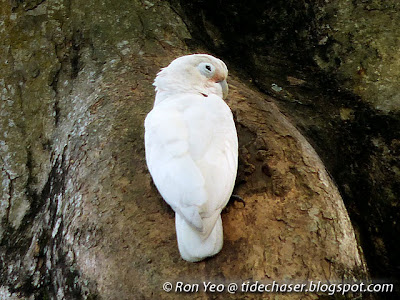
<point>192,150</point>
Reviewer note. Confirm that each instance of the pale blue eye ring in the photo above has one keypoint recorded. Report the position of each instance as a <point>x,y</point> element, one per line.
<point>206,69</point>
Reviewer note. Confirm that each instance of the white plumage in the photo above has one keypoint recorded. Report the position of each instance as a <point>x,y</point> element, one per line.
<point>192,150</point>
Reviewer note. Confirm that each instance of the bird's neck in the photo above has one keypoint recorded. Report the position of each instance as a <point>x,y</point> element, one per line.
<point>162,95</point>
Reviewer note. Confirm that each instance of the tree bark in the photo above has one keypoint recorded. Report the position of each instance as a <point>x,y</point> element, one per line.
<point>81,218</point>
<point>333,67</point>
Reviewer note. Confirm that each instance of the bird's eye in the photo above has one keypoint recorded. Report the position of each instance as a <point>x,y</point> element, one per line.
<point>206,69</point>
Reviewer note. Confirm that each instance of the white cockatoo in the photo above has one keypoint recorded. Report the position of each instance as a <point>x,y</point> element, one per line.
<point>192,150</point>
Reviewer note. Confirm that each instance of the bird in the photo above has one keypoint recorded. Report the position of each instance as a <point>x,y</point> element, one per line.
<point>191,148</point>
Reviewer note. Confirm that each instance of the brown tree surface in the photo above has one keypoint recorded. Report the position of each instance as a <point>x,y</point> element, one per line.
<point>80,215</point>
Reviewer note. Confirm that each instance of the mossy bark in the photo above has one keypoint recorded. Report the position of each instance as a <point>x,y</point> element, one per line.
<point>332,67</point>
<point>80,216</point>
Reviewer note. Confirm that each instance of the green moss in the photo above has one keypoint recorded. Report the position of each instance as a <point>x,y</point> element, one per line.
<point>361,50</point>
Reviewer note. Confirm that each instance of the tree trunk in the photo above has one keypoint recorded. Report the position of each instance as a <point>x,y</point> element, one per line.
<point>80,215</point>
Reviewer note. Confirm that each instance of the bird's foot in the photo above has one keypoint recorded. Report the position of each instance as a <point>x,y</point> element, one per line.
<point>237,198</point>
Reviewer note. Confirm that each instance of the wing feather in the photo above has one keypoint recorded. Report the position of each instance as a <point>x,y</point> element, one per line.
<point>191,152</point>
<point>174,172</point>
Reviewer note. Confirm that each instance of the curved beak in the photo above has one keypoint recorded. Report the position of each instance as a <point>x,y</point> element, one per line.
<point>224,86</point>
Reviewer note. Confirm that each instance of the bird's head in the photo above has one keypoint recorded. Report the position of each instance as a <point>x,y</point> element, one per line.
<point>196,73</point>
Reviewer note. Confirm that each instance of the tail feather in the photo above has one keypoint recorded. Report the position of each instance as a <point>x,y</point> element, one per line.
<point>195,245</point>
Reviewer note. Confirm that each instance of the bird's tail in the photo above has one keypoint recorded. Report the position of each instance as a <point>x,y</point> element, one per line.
<point>195,245</point>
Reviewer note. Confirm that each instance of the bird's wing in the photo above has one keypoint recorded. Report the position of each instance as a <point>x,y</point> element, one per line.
<point>170,162</point>
<point>213,145</point>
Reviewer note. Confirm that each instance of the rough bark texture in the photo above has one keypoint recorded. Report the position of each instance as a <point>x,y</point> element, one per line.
<point>80,215</point>
<point>333,67</point>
